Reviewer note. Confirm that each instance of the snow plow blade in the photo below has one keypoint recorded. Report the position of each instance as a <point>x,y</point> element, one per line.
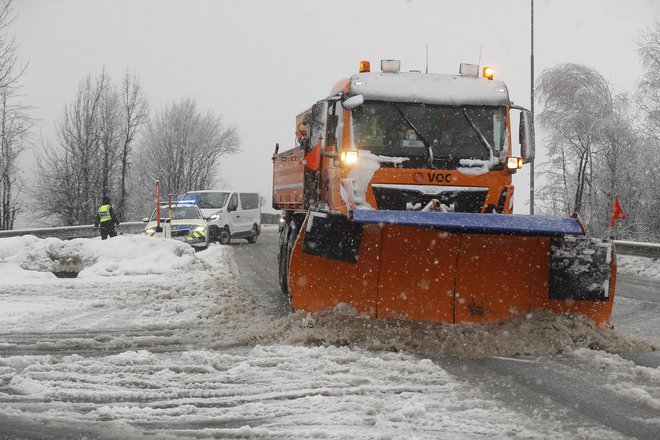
<point>450,267</point>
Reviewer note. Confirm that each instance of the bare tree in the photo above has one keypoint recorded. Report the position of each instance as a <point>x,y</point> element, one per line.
<point>135,108</point>
<point>109,132</point>
<point>10,71</point>
<point>74,174</point>
<point>14,121</point>
<point>14,126</point>
<point>182,148</point>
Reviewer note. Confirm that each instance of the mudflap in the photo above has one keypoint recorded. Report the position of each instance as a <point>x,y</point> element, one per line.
<point>439,272</point>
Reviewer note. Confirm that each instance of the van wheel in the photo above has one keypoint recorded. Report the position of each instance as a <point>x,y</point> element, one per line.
<point>253,235</point>
<point>224,236</point>
<point>214,232</point>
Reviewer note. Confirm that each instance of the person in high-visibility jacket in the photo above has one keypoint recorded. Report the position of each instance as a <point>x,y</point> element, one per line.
<point>106,219</point>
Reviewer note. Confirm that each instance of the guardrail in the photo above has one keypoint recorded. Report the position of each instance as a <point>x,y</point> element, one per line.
<point>650,250</point>
<point>70,232</point>
<point>87,231</point>
<point>637,249</point>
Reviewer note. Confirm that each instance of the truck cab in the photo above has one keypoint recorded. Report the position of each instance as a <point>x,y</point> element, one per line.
<point>391,140</point>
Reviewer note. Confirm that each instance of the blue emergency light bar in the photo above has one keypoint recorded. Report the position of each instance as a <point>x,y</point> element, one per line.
<point>464,222</point>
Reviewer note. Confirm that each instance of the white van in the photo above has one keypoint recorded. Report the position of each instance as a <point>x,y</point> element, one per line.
<point>229,213</point>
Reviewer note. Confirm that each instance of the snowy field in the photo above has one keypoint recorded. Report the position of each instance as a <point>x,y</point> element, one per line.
<point>154,340</point>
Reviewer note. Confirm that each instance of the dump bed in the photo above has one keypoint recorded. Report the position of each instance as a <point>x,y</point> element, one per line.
<point>288,180</point>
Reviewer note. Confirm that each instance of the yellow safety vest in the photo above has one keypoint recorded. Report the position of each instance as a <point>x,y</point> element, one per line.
<point>104,213</point>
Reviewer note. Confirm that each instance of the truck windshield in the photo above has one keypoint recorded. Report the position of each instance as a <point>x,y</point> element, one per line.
<point>409,130</point>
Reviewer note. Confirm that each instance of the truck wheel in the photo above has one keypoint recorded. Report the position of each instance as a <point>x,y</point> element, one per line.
<point>253,235</point>
<point>224,236</point>
<point>287,240</point>
<point>283,263</point>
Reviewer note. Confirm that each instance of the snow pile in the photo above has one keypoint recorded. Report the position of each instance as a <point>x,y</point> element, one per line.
<point>179,306</point>
<point>29,257</point>
<point>638,266</point>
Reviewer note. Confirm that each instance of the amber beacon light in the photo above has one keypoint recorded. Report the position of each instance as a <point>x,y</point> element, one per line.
<point>365,66</point>
<point>488,72</point>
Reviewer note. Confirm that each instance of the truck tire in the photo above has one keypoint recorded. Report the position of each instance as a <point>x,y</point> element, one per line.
<point>253,235</point>
<point>224,236</point>
<point>287,240</point>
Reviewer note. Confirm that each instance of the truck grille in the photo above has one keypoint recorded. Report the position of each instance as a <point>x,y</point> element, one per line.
<point>415,197</point>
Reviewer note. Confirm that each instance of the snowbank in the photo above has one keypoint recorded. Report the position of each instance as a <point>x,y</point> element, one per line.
<point>638,266</point>
<point>126,285</point>
<point>29,258</point>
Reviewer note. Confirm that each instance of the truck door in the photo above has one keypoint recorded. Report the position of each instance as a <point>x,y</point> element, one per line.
<point>316,123</point>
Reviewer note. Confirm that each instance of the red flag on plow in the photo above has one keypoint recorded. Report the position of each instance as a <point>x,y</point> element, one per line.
<point>617,212</point>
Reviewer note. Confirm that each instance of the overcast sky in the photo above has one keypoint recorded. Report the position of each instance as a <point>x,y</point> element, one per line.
<point>259,63</point>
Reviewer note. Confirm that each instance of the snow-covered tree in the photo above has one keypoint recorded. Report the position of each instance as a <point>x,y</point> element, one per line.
<point>648,100</point>
<point>588,135</point>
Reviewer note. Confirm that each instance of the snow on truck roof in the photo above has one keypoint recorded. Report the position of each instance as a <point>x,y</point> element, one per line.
<point>436,89</point>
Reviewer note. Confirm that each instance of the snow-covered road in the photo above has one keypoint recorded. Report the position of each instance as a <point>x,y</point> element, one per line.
<point>153,340</point>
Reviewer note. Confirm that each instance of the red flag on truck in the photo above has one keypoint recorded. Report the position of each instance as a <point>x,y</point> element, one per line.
<point>313,159</point>
<point>617,212</point>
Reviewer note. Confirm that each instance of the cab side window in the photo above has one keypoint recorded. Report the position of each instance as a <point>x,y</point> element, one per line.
<point>249,201</point>
<point>233,203</point>
<point>335,126</point>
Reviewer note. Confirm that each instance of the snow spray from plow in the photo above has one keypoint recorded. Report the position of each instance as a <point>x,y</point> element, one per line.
<point>450,267</point>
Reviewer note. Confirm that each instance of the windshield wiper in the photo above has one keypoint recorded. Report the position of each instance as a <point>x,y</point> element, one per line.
<point>482,138</point>
<point>426,143</point>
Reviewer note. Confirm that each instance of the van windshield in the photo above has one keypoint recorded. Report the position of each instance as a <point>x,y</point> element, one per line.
<point>208,200</point>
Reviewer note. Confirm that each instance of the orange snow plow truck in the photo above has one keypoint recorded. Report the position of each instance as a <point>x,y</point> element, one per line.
<point>397,200</point>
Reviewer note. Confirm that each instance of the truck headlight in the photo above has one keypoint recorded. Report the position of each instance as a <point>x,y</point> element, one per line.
<point>214,217</point>
<point>513,164</point>
<point>349,158</point>
<point>150,231</point>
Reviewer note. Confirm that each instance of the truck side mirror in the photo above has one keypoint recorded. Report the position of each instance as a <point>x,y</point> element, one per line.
<point>353,102</point>
<point>526,136</point>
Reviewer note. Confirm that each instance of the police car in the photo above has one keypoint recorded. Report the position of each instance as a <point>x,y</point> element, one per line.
<point>186,222</point>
